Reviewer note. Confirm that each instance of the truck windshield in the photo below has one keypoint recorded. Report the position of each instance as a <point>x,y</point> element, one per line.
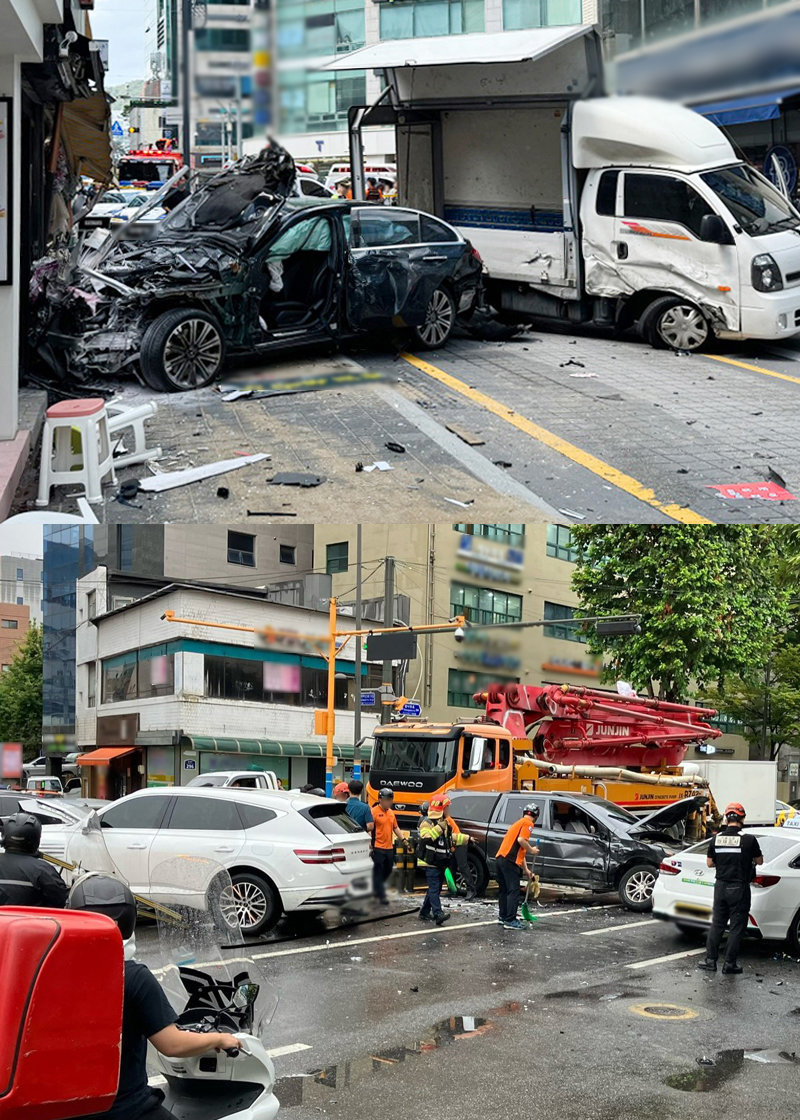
<point>414,754</point>
<point>754,203</point>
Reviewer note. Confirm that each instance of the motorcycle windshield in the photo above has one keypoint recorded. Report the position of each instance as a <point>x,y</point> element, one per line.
<point>208,972</point>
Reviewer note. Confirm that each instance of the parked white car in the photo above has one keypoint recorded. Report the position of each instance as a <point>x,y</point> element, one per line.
<point>284,852</point>
<point>236,779</point>
<point>684,890</point>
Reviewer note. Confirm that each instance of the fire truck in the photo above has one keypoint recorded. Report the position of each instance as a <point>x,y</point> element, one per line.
<point>624,748</point>
<point>154,164</point>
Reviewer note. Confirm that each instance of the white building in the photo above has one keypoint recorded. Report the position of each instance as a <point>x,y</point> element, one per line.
<point>167,701</point>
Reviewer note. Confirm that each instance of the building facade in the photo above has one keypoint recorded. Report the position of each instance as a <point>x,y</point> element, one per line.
<point>21,583</point>
<point>170,701</point>
<point>14,623</point>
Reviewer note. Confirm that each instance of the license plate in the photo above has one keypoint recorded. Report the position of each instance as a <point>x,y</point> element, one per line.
<point>695,911</point>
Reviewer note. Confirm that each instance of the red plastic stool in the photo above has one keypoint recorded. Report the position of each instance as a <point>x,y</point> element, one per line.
<point>95,459</point>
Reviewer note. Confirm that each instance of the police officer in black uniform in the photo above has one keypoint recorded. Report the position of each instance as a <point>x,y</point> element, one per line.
<point>25,878</point>
<point>734,854</point>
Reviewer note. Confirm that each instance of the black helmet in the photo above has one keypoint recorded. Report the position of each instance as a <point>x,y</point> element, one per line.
<point>103,894</point>
<point>531,810</point>
<point>21,833</point>
<point>386,792</point>
<point>423,809</point>
<point>317,792</point>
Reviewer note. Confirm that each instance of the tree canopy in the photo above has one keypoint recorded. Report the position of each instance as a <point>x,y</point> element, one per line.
<point>21,696</point>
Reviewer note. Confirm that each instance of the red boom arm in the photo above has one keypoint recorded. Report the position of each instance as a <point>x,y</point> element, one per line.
<point>580,726</point>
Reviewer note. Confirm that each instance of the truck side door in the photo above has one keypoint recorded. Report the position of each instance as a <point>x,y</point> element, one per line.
<point>657,243</point>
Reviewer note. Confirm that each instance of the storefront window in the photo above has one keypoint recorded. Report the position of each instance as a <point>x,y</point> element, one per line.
<point>138,674</point>
<point>160,766</point>
<point>270,682</point>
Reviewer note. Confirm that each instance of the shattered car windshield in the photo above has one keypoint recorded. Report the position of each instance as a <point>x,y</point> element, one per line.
<point>756,205</point>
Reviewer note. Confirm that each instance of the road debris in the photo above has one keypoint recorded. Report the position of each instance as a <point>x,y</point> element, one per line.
<point>270,513</point>
<point>464,505</point>
<point>296,478</point>
<point>766,491</point>
<point>465,436</point>
<point>170,479</point>
<point>378,465</point>
<point>396,447</point>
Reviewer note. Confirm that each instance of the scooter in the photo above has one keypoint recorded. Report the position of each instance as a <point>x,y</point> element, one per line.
<point>227,1085</point>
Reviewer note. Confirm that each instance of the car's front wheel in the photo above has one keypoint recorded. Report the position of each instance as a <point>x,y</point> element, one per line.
<point>249,903</point>
<point>636,887</point>
<point>440,319</point>
<point>182,349</point>
<point>675,324</point>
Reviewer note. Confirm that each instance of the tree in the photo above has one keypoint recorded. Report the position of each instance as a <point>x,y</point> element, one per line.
<point>707,595</point>
<point>768,707</point>
<point>21,696</point>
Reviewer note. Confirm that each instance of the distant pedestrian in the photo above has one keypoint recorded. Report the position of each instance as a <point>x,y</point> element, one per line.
<point>735,855</point>
<point>384,834</point>
<point>511,864</point>
<point>341,792</point>
<point>373,191</point>
<point>358,809</point>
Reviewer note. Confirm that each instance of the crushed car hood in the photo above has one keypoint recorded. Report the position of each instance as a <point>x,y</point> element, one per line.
<point>668,817</point>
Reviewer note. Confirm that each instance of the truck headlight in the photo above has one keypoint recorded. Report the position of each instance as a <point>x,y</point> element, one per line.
<point>765,274</point>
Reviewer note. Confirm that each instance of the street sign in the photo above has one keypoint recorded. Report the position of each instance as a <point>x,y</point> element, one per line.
<point>116,129</point>
<point>367,699</point>
<point>189,764</point>
<point>411,708</point>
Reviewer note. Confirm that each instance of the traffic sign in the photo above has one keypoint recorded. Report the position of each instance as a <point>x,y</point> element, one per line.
<point>411,708</point>
<point>367,699</point>
<point>116,129</point>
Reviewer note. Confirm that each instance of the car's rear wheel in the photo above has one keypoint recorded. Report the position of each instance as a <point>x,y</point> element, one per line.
<point>636,887</point>
<point>249,903</point>
<point>793,935</point>
<point>182,349</point>
<point>440,319</point>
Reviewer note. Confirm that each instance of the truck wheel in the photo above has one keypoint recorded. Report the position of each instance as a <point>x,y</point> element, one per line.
<point>250,903</point>
<point>440,318</point>
<point>675,324</point>
<point>182,349</point>
<point>636,887</point>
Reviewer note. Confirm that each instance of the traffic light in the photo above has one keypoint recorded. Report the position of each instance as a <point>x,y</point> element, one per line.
<point>132,130</point>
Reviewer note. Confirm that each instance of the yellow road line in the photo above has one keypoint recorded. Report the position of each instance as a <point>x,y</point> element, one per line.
<point>755,369</point>
<point>576,454</point>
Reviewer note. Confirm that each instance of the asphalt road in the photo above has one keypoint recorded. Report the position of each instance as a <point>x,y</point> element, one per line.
<point>594,1012</point>
<point>546,426</point>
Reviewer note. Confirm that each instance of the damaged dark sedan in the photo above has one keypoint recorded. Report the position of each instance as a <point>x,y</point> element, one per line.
<point>239,268</point>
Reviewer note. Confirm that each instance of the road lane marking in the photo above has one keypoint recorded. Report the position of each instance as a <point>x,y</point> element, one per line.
<point>613,929</point>
<point>668,957</point>
<point>582,458</point>
<point>284,1051</point>
<point>754,369</point>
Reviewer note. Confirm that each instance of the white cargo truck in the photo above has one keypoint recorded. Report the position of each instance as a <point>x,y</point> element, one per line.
<point>615,211</point>
<point>754,784</point>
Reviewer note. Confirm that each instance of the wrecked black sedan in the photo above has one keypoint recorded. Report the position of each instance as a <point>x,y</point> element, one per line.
<point>239,268</point>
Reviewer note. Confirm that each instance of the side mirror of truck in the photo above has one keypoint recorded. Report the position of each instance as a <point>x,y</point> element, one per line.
<point>713,229</point>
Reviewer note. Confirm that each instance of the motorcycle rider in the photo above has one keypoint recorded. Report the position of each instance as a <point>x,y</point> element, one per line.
<point>25,878</point>
<point>734,854</point>
<point>146,1011</point>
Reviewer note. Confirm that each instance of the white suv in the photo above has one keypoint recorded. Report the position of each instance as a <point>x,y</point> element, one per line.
<point>283,851</point>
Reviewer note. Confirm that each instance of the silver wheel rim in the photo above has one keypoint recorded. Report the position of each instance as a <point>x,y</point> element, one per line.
<point>192,353</point>
<point>639,887</point>
<point>438,319</point>
<point>683,327</point>
<point>243,905</point>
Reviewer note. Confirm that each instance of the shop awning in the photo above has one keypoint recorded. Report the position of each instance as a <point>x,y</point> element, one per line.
<point>103,755</point>
<point>85,133</point>
<point>264,747</point>
<point>742,110</point>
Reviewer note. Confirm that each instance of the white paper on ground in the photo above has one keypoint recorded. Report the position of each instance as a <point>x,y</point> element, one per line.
<point>171,479</point>
<point>379,465</point>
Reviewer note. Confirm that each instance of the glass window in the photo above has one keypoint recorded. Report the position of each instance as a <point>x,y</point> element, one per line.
<point>336,558</point>
<point>138,812</point>
<point>374,228</point>
<point>208,814</point>
<point>568,633</point>
<point>331,819</point>
<point>139,673</point>
<point>512,810</point>
<point>222,39</point>
<point>484,604</point>
<point>475,808</point>
<point>463,684</point>
<point>309,235</point>
<point>156,672</point>
<point>667,17</point>
<point>119,678</point>
<point>20,573</point>
<point>125,544</point>
<point>241,549</point>
<point>20,600</point>
<point>287,554</point>
<point>607,193</point>
<point>431,17</point>
<point>559,544</point>
<point>518,14</point>
<point>270,682</point>
<point>91,604</point>
<point>433,231</point>
<point>10,624</point>
<point>506,534</point>
<point>397,752</point>
<point>754,204</point>
<point>254,815</point>
<point>662,198</point>
<point>91,684</point>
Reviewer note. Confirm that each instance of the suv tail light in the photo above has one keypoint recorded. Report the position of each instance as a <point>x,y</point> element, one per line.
<point>475,253</point>
<point>765,880</point>
<point>316,857</point>
<point>668,868</point>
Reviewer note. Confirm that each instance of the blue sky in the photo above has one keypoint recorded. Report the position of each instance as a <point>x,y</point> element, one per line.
<point>122,22</point>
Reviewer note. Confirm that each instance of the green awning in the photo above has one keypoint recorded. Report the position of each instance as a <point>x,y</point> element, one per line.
<point>268,747</point>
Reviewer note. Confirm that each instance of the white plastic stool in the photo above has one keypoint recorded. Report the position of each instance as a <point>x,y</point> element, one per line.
<point>90,418</point>
<point>120,418</point>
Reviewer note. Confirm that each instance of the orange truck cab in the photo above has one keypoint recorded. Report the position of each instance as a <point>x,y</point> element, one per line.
<point>61,1013</point>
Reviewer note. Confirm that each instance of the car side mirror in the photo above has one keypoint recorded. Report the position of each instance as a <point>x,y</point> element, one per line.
<point>713,229</point>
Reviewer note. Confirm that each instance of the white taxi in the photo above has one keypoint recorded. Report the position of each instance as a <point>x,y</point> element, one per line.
<point>684,890</point>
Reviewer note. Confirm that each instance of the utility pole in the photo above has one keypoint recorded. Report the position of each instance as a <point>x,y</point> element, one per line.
<point>186,70</point>
<point>388,620</point>
<point>357,712</point>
